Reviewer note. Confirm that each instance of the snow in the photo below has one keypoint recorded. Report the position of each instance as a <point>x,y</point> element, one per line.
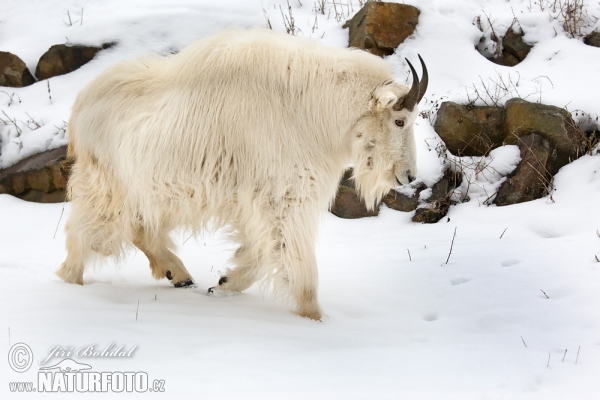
<point>402,320</point>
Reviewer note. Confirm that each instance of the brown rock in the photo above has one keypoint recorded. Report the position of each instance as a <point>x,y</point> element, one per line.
<point>13,71</point>
<point>440,189</point>
<point>514,45</point>
<point>35,196</point>
<point>530,180</point>
<point>58,177</point>
<point>432,213</point>
<point>506,60</point>
<point>61,59</point>
<point>514,49</point>
<point>454,179</point>
<point>380,28</point>
<point>440,200</point>
<point>593,39</point>
<point>401,202</point>
<point>347,203</point>
<point>469,130</point>
<point>552,123</point>
<point>41,178</point>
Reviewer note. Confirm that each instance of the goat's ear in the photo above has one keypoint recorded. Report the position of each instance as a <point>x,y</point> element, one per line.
<point>383,99</point>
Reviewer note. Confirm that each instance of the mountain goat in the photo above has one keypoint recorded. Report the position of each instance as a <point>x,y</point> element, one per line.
<point>248,130</point>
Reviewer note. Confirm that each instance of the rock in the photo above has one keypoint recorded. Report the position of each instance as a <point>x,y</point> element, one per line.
<point>401,202</point>
<point>454,179</point>
<point>439,190</point>
<point>530,180</point>
<point>469,130</point>
<point>347,203</point>
<point>432,213</point>
<point>440,200</point>
<point>13,71</point>
<point>514,45</point>
<point>40,178</point>
<point>552,123</point>
<point>506,60</point>
<point>473,130</point>
<point>380,28</point>
<point>61,59</point>
<point>514,49</point>
<point>593,39</point>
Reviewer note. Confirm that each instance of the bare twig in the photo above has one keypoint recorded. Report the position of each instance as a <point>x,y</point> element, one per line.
<point>11,97</point>
<point>451,245</point>
<point>525,344</point>
<point>49,94</point>
<point>70,22</point>
<point>577,358</point>
<point>137,310</point>
<point>32,121</point>
<point>548,365</point>
<point>409,257</point>
<point>339,13</point>
<point>62,129</point>
<point>13,121</point>
<point>545,294</point>
<point>288,21</point>
<point>563,359</point>
<point>503,233</point>
<point>320,6</point>
<point>493,91</point>
<point>61,214</point>
<point>496,50</point>
<point>267,18</point>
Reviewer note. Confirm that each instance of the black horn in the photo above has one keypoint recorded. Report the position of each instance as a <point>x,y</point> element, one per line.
<point>412,97</point>
<point>424,80</point>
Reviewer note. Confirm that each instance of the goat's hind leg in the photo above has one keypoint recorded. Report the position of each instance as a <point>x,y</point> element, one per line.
<point>163,263</point>
<point>87,234</point>
<point>71,270</point>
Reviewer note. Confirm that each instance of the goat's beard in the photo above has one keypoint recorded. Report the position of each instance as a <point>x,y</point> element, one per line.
<point>372,184</point>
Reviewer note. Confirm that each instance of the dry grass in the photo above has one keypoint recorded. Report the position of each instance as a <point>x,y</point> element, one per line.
<point>496,90</point>
<point>572,15</point>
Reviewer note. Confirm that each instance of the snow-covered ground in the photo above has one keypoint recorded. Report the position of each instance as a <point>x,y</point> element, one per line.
<point>520,288</point>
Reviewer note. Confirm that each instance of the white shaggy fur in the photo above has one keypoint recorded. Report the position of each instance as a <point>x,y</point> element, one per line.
<point>246,129</point>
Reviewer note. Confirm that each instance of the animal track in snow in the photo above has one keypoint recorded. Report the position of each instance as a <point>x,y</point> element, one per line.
<point>509,263</point>
<point>459,281</point>
<point>429,317</point>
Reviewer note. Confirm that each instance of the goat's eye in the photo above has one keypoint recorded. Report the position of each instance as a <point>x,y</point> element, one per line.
<point>400,122</point>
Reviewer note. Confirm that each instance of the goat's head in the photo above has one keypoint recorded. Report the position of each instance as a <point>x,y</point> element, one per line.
<point>383,147</point>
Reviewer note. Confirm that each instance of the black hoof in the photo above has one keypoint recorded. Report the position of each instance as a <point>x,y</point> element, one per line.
<point>186,283</point>
<point>169,275</point>
<point>222,280</point>
<point>210,289</point>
